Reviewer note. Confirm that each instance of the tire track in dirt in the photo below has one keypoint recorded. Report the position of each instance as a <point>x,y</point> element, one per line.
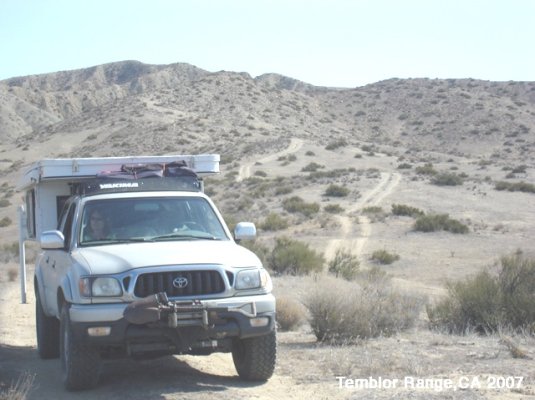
<point>387,184</point>
<point>245,169</point>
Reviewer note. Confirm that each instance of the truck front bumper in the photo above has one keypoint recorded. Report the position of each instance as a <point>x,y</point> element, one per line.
<point>226,319</point>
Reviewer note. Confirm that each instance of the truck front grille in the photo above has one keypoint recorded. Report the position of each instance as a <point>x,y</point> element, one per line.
<point>180,283</point>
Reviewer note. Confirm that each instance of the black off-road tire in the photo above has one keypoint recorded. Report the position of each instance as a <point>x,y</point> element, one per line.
<point>47,332</point>
<point>254,358</point>
<point>80,363</point>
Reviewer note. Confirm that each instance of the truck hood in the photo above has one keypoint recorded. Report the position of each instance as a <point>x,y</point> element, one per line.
<point>113,259</point>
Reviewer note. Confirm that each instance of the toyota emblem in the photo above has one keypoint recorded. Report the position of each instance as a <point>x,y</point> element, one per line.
<point>180,282</point>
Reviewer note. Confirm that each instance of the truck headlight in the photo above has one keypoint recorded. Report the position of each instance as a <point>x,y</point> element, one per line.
<point>100,287</point>
<point>252,279</point>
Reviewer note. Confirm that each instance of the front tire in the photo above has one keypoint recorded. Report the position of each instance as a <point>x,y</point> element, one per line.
<point>254,358</point>
<point>47,332</point>
<point>80,364</point>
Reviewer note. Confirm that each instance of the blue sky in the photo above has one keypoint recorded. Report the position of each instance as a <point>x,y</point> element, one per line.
<point>343,43</point>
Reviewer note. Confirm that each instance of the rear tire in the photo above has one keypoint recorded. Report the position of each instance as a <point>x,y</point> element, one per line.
<point>47,332</point>
<point>254,358</point>
<point>80,363</point>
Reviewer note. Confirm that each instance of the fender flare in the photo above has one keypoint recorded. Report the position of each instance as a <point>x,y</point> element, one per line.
<point>65,291</point>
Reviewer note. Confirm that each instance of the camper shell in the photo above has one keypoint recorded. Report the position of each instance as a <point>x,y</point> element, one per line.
<point>48,183</point>
<point>185,288</point>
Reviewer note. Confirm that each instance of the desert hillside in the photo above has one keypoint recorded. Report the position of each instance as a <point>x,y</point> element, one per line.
<point>354,171</point>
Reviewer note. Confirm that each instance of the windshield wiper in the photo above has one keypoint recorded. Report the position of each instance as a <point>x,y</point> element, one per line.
<point>180,236</point>
<point>115,241</point>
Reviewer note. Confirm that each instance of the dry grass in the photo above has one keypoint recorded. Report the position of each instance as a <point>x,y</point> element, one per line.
<point>20,389</point>
<point>290,313</point>
<point>343,312</point>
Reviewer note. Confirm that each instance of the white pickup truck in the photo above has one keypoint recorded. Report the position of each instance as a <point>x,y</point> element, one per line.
<point>137,261</point>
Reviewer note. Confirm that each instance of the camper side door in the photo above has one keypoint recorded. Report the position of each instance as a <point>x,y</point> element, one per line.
<point>56,262</point>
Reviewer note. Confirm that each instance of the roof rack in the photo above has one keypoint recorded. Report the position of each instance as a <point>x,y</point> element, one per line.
<point>79,169</point>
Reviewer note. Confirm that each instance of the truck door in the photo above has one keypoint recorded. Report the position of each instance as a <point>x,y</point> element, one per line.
<point>56,262</point>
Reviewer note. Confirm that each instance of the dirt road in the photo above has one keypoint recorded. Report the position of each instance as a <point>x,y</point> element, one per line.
<point>245,169</point>
<point>356,241</point>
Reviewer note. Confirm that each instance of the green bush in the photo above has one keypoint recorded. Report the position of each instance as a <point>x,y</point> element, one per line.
<point>296,204</point>
<point>336,144</point>
<point>336,191</point>
<point>404,210</point>
<point>439,222</point>
<point>333,209</point>
<point>515,187</point>
<point>294,257</point>
<point>447,179</point>
<point>488,302</point>
<point>372,210</point>
<point>342,311</point>
<point>4,203</point>
<point>312,167</point>
<point>282,190</point>
<point>427,169</point>
<point>274,222</point>
<point>6,221</point>
<point>344,265</point>
<point>384,257</point>
<point>521,169</point>
<point>404,166</point>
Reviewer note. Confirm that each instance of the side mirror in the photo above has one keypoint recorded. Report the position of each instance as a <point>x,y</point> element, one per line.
<point>52,240</point>
<point>245,231</point>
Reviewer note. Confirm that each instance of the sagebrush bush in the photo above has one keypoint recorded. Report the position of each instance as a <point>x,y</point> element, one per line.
<point>404,166</point>
<point>274,222</point>
<point>333,209</point>
<point>342,311</point>
<point>372,210</point>
<point>6,221</point>
<point>404,210</point>
<point>290,313</point>
<point>336,144</point>
<point>447,179</point>
<point>344,264</point>
<point>336,191</point>
<point>515,187</point>
<point>426,169</point>
<point>439,222</point>
<point>312,167</point>
<point>384,257</point>
<point>296,204</point>
<point>488,302</point>
<point>293,257</point>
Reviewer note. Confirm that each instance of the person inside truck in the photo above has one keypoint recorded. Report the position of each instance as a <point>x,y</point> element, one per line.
<point>97,227</point>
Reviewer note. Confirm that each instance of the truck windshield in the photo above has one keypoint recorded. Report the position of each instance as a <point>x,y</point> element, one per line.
<point>149,219</point>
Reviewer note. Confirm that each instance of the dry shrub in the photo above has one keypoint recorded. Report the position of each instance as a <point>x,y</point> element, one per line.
<point>439,222</point>
<point>290,313</point>
<point>384,257</point>
<point>341,311</point>
<point>489,301</point>
<point>344,264</point>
